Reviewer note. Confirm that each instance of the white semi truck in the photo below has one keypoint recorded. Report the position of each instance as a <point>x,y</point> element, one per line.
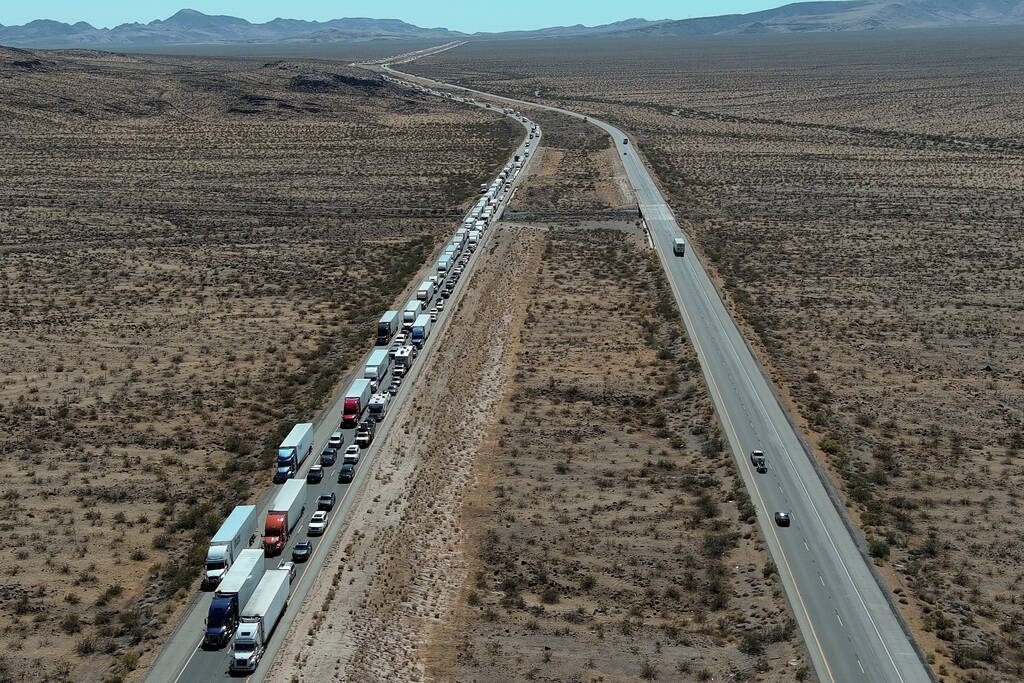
<point>259,617</point>
<point>235,535</point>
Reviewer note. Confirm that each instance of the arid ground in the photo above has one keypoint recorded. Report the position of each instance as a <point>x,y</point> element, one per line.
<point>192,252</point>
<point>859,199</point>
<point>553,502</point>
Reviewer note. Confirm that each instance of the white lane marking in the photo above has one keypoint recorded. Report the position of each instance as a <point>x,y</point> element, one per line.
<point>807,494</point>
<point>839,618</point>
<point>820,578</point>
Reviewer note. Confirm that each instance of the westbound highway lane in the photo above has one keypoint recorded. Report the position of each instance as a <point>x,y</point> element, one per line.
<point>182,659</point>
<point>850,627</point>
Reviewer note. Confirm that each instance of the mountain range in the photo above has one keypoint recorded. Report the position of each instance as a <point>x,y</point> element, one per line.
<point>189,27</point>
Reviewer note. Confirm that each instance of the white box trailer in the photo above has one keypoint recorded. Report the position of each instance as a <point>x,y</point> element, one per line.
<point>293,451</point>
<point>412,309</point>
<point>474,237</point>
<point>425,292</point>
<point>377,365</point>
<point>421,330</point>
<point>387,326</point>
<point>444,263</point>
<point>259,617</point>
<point>235,535</point>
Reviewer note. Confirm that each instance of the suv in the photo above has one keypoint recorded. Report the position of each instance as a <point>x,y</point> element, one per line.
<point>352,454</point>
<point>346,473</point>
<point>288,566</point>
<point>315,475</point>
<point>318,523</point>
<point>782,518</point>
<point>757,459</point>
<point>329,456</point>
<point>326,501</point>
<point>365,432</point>
<point>336,441</point>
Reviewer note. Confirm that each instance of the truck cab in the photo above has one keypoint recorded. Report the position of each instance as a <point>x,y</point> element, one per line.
<point>221,622</point>
<point>247,650</point>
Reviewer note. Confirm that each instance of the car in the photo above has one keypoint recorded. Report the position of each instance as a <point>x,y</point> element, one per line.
<point>759,462</point>
<point>782,518</point>
<point>352,454</point>
<point>318,523</point>
<point>346,473</point>
<point>336,441</point>
<point>445,293</point>
<point>394,348</point>
<point>302,551</point>
<point>329,456</point>
<point>433,316</point>
<point>440,304</point>
<point>394,387</point>
<point>326,501</point>
<point>290,567</point>
<point>365,432</point>
<point>315,475</point>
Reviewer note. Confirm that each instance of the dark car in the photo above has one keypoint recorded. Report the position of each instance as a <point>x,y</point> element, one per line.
<point>782,518</point>
<point>394,348</point>
<point>346,473</point>
<point>315,475</point>
<point>329,457</point>
<point>326,501</point>
<point>759,462</point>
<point>393,387</point>
<point>302,551</point>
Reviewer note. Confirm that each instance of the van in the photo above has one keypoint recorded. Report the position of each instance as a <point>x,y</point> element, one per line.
<point>679,246</point>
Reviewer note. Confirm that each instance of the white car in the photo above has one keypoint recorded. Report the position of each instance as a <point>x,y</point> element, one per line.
<point>318,523</point>
<point>352,454</point>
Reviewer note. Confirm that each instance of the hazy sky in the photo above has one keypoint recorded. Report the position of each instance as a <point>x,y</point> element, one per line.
<point>461,15</point>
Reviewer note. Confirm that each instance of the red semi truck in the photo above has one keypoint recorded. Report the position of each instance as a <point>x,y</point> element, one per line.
<point>284,514</point>
<point>356,400</point>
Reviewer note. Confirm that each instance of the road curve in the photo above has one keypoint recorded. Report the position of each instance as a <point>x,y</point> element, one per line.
<point>851,628</point>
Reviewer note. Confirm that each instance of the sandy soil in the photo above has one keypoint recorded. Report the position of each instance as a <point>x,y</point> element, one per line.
<point>184,273</point>
<point>398,561</point>
<point>859,198</point>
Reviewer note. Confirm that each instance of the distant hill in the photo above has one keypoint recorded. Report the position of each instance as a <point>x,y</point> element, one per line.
<point>189,27</point>
<point>852,15</point>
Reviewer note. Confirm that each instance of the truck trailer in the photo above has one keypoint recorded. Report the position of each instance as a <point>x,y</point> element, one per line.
<point>377,365</point>
<point>412,309</point>
<point>421,330</point>
<point>293,451</point>
<point>425,292</point>
<point>235,535</point>
<point>235,588</point>
<point>259,617</point>
<point>386,327</point>
<point>356,398</point>
<point>284,513</point>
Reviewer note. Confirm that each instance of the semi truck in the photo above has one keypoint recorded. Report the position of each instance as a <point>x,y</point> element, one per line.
<point>386,327</point>
<point>412,309</point>
<point>377,365</point>
<point>259,617</point>
<point>284,513</point>
<point>234,591</point>
<point>425,292</point>
<point>293,451</point>
<point>421,330</point>
<point>679,246</point>
<point>236,534</point>
<point>356,399</point>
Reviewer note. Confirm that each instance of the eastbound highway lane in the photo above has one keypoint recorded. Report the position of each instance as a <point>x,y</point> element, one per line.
<point>182,659</point>
<point>850,627</point>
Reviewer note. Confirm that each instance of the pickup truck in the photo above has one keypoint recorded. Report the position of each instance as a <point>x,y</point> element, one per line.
<point>365,432</point>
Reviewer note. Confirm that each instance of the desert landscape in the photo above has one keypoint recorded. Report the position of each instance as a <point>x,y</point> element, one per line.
<point>194,253</point>
<point>859,201</point>
<point>514,461</point>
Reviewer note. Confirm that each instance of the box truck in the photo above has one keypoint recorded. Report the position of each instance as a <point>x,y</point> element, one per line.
<point>421,329</point>
<point>425,292</point>
<point>355,402</point>
<point>293,451</point>
<point>235,588</point>
<point>386,327</point>
<point>377,365</point>
<point>679,246</point>
<point>235,535</point>
<point>284,513</point>
<point>259,617</point>
<point>412,309</point>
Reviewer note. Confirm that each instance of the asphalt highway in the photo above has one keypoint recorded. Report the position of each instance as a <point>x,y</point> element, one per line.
<point>849,625</point>
<point>182,659</point>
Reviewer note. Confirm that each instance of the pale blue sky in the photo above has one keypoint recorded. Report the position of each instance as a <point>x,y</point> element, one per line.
<point>460,15</point>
